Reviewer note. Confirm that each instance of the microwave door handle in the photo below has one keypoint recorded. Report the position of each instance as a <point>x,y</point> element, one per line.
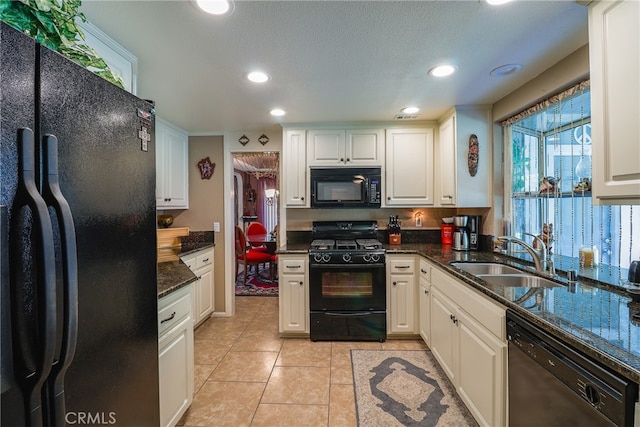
<point>366,190</point>
<point>54,198</point>
<point>33,369</point>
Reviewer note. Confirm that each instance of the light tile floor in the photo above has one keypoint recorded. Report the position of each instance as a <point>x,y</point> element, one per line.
<point>246,375</point>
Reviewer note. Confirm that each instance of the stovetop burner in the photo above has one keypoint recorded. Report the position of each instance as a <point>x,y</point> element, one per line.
<point>323,244</point>
<point>345,244</point>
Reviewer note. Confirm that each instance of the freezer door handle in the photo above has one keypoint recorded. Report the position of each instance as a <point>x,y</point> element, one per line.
<point>33,356</point>
<point>53,197</point>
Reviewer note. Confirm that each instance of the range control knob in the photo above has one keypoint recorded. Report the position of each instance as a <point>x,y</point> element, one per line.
<point>346,257</point>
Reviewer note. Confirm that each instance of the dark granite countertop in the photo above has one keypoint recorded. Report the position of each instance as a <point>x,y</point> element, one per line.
<point>591,316</point>
<point>173,275</point>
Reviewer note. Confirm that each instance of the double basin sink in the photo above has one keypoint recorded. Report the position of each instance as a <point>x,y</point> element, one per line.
<point>503,275</point>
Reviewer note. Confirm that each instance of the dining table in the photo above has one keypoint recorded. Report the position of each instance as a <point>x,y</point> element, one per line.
<point>257,240</point>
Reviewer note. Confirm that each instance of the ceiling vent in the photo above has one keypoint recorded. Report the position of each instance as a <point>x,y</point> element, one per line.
<point>407,117</point>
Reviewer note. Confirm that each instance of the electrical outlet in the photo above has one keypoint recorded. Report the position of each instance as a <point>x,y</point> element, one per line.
<point>216,227</point>
<point>419,221</point>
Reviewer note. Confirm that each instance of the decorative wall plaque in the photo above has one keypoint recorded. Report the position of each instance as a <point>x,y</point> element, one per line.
<point>206,168</point>
<point>244,140</point>
<point>263,139</point>
<point>474,154</point>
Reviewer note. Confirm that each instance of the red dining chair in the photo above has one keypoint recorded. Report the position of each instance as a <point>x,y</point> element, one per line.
<point>247,256</point>
<point>256,228</point>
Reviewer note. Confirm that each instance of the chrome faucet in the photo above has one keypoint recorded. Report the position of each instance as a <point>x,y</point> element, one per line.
<point>547,263</point>
<point>536,258</point>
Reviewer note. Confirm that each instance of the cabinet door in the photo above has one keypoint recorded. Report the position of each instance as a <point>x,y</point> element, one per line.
<point>204,298</point>
<point>401,303</point>
<point>295,168</point>
<point>364,147</point>
<point>443,333</point>
<point>446,178</point>
<point>481,373</point>
<point>293,309</point>
<point>176,370</point>
<point>326,148</point>
<point>424,311</point>
<point>172,157</point>
<point>614,44</point>
<point>409,167</point>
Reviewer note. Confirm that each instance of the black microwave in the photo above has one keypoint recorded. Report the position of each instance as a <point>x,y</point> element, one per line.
<point>346,187</point>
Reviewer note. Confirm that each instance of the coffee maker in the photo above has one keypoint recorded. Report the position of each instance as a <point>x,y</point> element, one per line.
<point>467,232</point>
<point>475,230</point>
<point>461,234</point>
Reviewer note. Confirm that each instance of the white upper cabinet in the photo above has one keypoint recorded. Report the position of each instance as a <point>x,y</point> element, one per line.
<point>409,167</point>
<point>294,166</point>
<point>172,173</point>
<point>614,55</point>
<point>454,183</point>
<point>355,147</point>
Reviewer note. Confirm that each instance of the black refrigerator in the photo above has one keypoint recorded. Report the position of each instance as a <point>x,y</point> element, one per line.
<point>79,291</point>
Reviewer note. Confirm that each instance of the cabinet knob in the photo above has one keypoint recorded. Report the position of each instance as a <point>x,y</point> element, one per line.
<point>389,198</point>
<point>395,283</point>
<point>348,159</point>
<point>426,292</point>
<point>301,283</point>
<point>302,198</point>
<point>342,159</point>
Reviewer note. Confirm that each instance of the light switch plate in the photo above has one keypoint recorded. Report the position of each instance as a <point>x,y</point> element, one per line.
<point>216,227</point>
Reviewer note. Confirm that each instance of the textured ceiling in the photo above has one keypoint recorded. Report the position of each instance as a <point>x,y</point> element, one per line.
<point>332,60</point>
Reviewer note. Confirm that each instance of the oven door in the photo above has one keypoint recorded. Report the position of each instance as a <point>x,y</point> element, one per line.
<point>347,287</point>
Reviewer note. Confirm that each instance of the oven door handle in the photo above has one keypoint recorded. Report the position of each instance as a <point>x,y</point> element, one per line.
<point>343,266</point>
<point>358,314</point>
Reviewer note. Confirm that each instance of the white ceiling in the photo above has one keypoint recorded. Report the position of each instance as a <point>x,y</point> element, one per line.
<point>332,61</point>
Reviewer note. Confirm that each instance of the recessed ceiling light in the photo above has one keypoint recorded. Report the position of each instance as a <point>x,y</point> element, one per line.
<point>497,2</point>
<point>505,70</point>
<point>410,110</point>
<point>257,77</point>
<point>216,7</point>
<point>278,112</point>
<point>442,70</point>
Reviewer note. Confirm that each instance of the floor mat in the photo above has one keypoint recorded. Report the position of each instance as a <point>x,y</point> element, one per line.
<point>404,388</point>
<point>260,284</point>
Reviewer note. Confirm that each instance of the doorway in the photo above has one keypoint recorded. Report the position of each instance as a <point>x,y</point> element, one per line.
<point>256,193</point>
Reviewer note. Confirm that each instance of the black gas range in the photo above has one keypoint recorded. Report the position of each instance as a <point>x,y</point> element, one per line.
<point>347,282</point>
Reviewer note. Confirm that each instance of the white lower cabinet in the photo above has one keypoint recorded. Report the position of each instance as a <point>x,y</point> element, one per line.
<point>468,340</point>
<point>401,295</point>
<point>293,294</point>
<point>175,355</point>
<point>424,301</point>
<point>201,263</point>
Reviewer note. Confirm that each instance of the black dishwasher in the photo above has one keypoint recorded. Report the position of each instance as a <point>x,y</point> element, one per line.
<point>551,384</point>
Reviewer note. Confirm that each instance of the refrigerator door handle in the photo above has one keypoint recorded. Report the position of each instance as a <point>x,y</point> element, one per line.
<point>31,369</point>
<point>53,197</point>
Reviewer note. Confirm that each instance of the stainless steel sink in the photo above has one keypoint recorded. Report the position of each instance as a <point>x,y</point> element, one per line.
<point>518,280</point>
<point>491,268</point>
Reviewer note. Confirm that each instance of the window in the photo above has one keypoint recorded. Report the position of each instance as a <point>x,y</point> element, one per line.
<point>550,183</point>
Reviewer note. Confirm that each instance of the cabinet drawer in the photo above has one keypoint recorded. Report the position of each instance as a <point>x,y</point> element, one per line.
<point>293,266</point>
<point>402,266</point>
<point>425,271</point>
<point>174,312</point>
<point>190,261</point>
<point>204,259</point>
<point>487,312</point>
